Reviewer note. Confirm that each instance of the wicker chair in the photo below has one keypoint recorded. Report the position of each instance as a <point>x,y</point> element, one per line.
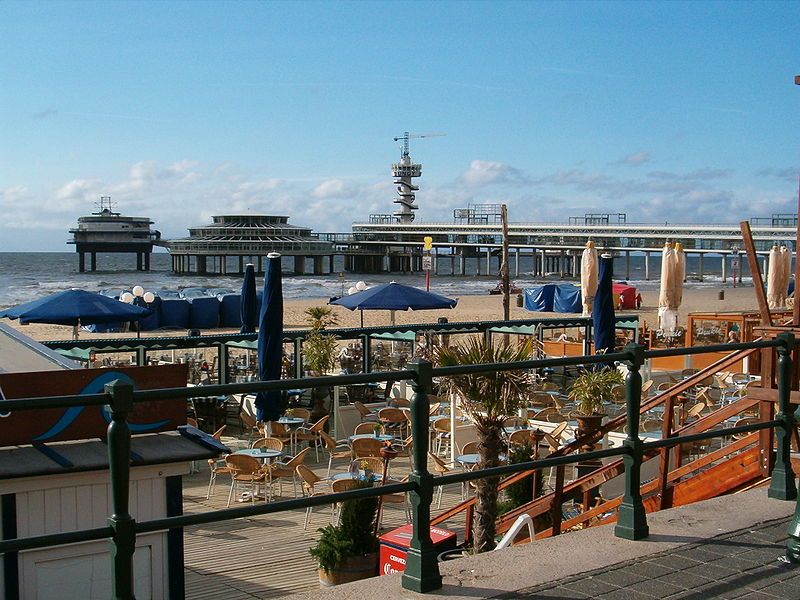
<point>367,428</point>
<point>365,413</point>
<point>216,466</point>
<point>366,447</point>
<point>394,420</point>
<point>520,437</point>
<point>441,430</point>
<point>244,470</point>
<point>285,470</point>
<point>309,480</point>
<point>311,435</point>
<point>513,422</point>
<point>334,449</point>
<point>269,442</point>
<point>340,485</point>
<point>405,450</point>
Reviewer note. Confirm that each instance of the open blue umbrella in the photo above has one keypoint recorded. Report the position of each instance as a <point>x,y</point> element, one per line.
<point>394,296</point>
<point>603,307</point>
<point>249,302</point>
<point>75,307</point>
<point>270,340</point>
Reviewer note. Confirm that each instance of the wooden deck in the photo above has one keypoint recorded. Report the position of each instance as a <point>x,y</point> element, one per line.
<point>265,557</point>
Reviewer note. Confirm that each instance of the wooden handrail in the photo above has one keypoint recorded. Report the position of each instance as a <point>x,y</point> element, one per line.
<point>679,388</point>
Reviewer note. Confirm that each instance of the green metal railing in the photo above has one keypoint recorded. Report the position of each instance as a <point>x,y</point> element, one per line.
<point>422,571</point>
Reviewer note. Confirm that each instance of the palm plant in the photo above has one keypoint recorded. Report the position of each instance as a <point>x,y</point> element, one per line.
<point>488,398</point>
<point>320,317</point>
<point>593,388</point>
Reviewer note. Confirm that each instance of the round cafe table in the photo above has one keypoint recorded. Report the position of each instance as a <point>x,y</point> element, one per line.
<point>356,476</point>
<point>381,438</point>
<point>263,454</point>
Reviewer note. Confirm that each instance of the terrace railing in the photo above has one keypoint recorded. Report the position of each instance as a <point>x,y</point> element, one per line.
<point>422,571</point>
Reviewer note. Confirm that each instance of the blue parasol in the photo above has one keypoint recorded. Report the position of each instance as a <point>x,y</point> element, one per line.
<point>394,296</point>
<point>603,308</point>
<point>270,340</point>
<point>249,302</point>
<point>75,307</point>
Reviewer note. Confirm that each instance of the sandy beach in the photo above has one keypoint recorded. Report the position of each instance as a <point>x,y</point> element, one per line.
<point>470,308</point>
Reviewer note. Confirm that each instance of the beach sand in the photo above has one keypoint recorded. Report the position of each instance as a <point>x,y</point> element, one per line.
<point>470,308</point>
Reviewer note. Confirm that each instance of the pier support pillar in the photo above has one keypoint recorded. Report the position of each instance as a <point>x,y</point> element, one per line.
<point>318,265</point>
<point>146,261</point>
<point>724,269</point>
<point>241,265</point>
<point>764,267</point>
<point>81,262</point>
<point>647,266</point>
<point>139,261</point>
<point>702,256</point>
<point>576,264</point>
<point>330,264</point>
<point>542,267</point>
<point>93,261</point>
<point>462,265</point>
<point>488,261</point>
<point>299,265</point>
<point>223,265</point>
<point>201,264</point>
<point>516,262</point>
<point>628,265</point>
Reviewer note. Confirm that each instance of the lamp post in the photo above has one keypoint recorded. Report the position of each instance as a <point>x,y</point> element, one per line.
<point>138,298</point>
<point>735,262</point>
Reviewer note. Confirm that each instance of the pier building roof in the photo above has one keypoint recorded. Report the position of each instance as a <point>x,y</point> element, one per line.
<point>249,233</point>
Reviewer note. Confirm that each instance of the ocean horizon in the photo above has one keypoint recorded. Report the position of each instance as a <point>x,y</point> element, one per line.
<point>26,276</point>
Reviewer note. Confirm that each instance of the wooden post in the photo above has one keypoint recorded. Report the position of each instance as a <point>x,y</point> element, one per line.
<point>505,282</point>
<point>755,271</point>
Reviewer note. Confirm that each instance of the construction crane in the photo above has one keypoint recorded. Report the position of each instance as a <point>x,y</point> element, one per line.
<point>408,136</point>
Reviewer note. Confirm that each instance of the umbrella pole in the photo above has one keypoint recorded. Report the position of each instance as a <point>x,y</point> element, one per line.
<point>362,318</point>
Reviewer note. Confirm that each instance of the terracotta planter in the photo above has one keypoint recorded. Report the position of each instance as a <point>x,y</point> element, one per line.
<point>352,569</point>
<point>588,423</point>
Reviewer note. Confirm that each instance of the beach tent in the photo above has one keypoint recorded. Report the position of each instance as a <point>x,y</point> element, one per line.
<point>153,321</point>
<point>174,313</point>
<point>567,299</point>
<point>270,340</point>
<point>628,293</point>
<point>230,310</point>
<point>203,312</point>
<point>540,299</point>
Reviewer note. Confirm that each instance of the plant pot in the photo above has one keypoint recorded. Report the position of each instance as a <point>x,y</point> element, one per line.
<point>588,423</point>
<point>352,568</point>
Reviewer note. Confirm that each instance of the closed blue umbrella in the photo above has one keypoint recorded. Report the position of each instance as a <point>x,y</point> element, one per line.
<point>270,340</point>
<point>249,302</point>
<point>603,307</point>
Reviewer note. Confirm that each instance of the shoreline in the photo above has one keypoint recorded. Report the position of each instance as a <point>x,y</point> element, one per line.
<point>471,307</point>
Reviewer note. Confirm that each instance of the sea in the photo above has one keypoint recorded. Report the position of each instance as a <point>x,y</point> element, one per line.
<point>27,276</point>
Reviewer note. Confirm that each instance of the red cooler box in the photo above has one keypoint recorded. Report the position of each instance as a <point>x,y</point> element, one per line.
<point>394,547</point>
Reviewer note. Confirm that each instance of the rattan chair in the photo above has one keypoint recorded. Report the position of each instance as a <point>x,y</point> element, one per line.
<point>365,413</point>
<point>441,430</point>
<point>309,480</point>
<point>311,435</point>
<point>285,470</point>
<point>514,422</point>
<point>367,428</point>
<point>365,447</point>
<point>269,442</point>
<point>334,449</point>
<point>216,466</point>
<point>394,421</point>
<point>520,437</point>
<point>244,470</point>
<point>341,485</point>
<point>440,468</point>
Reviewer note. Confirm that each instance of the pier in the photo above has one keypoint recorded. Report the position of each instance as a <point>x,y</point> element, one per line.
<point>109,231</point>
<point>226,245</point>
<point>471,244</point>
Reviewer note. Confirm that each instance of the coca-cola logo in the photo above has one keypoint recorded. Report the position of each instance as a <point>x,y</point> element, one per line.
<point>402,561</point>
<point>388,569</point>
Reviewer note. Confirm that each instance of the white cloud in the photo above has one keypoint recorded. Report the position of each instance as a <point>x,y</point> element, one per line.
<point>488,172</point>
<point>334,188</point>
<point>636,159</point>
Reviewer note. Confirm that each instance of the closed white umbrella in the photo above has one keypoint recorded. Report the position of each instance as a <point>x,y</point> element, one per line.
<point>679,276</point>
<point>667,317</point>
<point>786,273</point>
<point>588,277</point>
<point>774,276</point>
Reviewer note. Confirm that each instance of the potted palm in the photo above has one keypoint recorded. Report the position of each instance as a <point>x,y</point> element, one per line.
<point>487,398</point>
<point>349,551</point>
<point>319,352</point>
<point>591,390</point>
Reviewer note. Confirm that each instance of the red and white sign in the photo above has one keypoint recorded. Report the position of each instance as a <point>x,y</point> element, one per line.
<point>394,547</point>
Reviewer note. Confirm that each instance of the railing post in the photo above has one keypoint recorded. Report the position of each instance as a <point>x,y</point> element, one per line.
<point>783,486</point>
<point>422,569</point>
<point>631,518</point>
<point>119,456</point>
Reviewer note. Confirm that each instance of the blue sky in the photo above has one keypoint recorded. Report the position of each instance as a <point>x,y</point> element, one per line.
<point>179,110</point>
